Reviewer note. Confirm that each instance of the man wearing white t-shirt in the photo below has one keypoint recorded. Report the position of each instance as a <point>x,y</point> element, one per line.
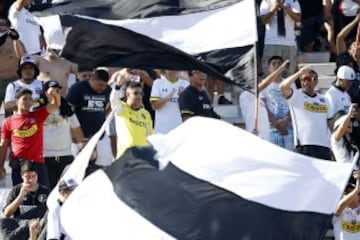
<point>24,22</point>
<point>347,216</point>
<point>337,96</point>
<point>279,17</point>
<point>165,101</point>
<point>27,71</point>
<point>309,114</point>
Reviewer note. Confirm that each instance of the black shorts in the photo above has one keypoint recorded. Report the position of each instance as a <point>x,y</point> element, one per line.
<point>311,27</point>
<point>315,151</point>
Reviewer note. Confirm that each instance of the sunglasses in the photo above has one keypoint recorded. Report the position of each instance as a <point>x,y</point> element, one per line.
<point>308,79</point>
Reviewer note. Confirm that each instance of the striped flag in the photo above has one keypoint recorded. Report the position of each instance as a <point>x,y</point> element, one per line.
<point>187,185</point>
<point>221,33</point>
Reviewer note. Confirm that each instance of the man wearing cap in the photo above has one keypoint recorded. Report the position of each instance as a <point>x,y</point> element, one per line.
<point>8,57</point>
<point>27,71</point>
<point>23,131</point>
<point>310,115</point>
<point>24,22</point>
<point>337,95</point>
<point>63,124</point>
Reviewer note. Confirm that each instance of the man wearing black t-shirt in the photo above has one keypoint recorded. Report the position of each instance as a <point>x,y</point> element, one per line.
<point>26,196</point>
<point>90,101</point>
<point>194,101</point>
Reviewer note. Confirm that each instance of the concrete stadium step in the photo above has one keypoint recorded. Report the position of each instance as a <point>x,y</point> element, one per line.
<point>315,57</point>
<point>326,69</point>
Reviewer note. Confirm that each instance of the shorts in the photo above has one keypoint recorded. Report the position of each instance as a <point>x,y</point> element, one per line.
<point>310,29</point>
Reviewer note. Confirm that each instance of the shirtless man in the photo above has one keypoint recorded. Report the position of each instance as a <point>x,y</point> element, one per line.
<point>8,58</point>
<point>53,67</point>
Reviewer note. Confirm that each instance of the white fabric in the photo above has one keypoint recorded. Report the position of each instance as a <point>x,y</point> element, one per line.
<point>36,87</point>
<point>186,32</point>
<point>349,8</point>
<point>339,150</point>
<point>338,100</point>
<point>344,226</point>
<point>168,117</point>
<point>105,157</point>
<point>57,134</point>
<point>309,117</point>
<point>85,220</point>
<point>247,108</point>
<point>54,227</point>
<point>29,29</point>
<point>251,167</point>
<point>271,32</point>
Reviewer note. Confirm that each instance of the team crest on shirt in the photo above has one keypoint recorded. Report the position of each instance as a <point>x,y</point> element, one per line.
<point>32,120</point>
<point>143,116</point>
<point>42,198</point>
<point>322,100</point>
<point>38,90</point>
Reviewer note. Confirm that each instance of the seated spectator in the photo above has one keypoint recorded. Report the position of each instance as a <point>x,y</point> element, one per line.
<point>194,100</point>
<point>23,132</point>
<point>342,146</point>
<point>316,17</point>
<point>309,114</point>
<point>347,215</point>
<point>27,195</point>
<point>279,18</point>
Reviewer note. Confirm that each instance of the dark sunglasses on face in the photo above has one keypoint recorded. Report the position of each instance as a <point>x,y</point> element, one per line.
<point>308,79</point>
<point>139,93</point>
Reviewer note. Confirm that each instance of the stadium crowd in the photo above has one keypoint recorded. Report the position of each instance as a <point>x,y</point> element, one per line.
<point>54,106</point>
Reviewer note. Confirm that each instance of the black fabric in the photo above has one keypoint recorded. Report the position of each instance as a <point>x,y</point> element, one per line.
<point>281,23</point>
<point>14,229</point>
<point>89,106</point>
<point>91,44</point>
<point>55,166</point>
<point>196,103</point>
<point>310,8</point>
<point>189,208</point>
<point>315,151</point>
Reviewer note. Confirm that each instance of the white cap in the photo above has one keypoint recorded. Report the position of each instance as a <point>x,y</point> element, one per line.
<point>27,59</point>
<point>346,73</point>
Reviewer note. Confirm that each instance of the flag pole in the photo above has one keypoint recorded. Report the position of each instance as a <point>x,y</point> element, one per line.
<point>256,117</point>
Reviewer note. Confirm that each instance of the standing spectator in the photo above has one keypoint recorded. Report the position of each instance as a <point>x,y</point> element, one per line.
<point>133,123</point>
<point>24,22</point>
<point>27,71</point>
<point>247,105</point>
<point>337,96</point>
<point>342,145</point>
<point>279,18</point>
<point>23,131</point>
<point>8,57</point>
<point>281,132</point>
<point>63,124</point>
<point>347,215</point>
<point>309,114</point>
<point>316,16</point>
<point>194,100</point>
<point>90,101</point>
<point>165,101</point>
<point>83,73</point>
<point>26,195</point>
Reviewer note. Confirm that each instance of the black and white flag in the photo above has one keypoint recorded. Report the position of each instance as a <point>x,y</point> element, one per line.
<point>222,33</point>
<point>239,188</point>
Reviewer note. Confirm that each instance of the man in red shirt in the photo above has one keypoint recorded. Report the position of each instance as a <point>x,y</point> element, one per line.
<point>23,132</point>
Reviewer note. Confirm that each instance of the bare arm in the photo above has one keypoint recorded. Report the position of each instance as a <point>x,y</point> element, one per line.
<point>341,130</point>
<point>296,17</point>
<point>77,135</point>
<point>19,49</point>
<point>4,148</point>
<point>348,198</point>
<point>273,76</point>
<point>267,17</point>
<point>159,103</point>
<point>20,4</point>
<point>10,106</point>
<point>341,37</point>
<point>54,99</point>
<point>285,86</point>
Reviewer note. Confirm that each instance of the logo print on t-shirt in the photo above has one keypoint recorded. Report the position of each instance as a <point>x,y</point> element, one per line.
<point>94,103</point>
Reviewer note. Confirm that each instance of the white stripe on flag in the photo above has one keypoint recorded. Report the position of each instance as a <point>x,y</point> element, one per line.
<point>100,214</point>
<point>228,27</point>
<point>252,168</point>
<point>77,169</point>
